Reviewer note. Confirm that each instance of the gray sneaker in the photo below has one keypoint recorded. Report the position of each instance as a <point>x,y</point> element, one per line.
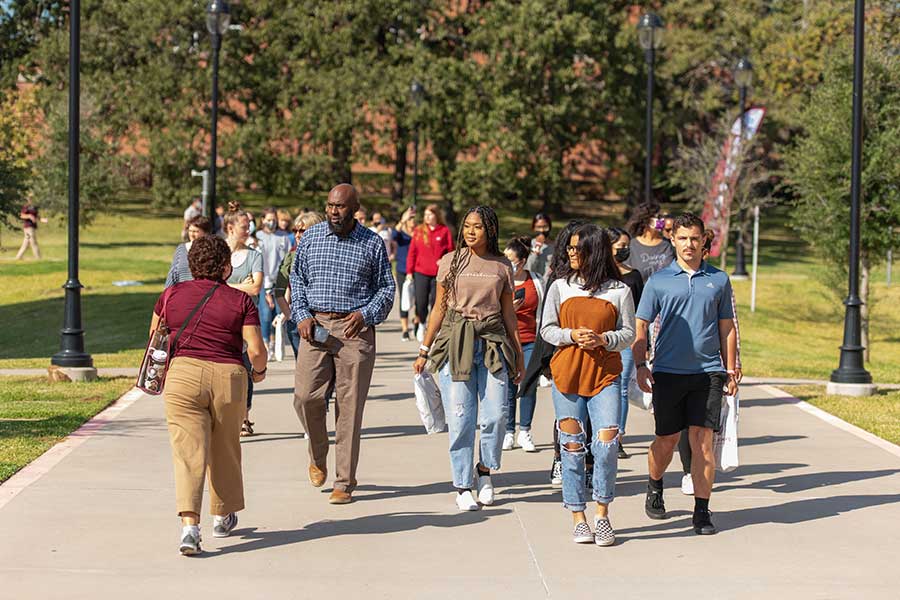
<point>222,526</point>
<point>190,541</point>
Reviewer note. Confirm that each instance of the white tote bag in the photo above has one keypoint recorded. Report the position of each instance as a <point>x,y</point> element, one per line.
<point>428,401</point>
<point>726,439</point>
<point>636,396</point>
<point>407,296</point>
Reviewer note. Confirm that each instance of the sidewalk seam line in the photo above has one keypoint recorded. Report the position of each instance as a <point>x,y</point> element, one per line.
<point>531,552</point>
<point>833,420</point>
<point>43,464</point>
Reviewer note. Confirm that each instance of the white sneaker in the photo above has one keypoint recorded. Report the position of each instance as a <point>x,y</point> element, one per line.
<point>420,333</point>
<point>687,485</point>
<point>526,441</point>
<point>466,501</point>
<point>485,490</point>
<point>509,441</point>
<point>190,540</point>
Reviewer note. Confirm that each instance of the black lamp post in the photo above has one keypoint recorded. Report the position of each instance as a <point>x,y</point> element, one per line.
<point>650,37</point>
<point>218,17</point>
<point>417,91</point>
<point>71,348</point>
<point>851,369</point>
<point>743,77</point>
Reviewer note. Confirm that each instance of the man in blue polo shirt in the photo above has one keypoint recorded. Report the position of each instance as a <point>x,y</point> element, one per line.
<point>693,363</point>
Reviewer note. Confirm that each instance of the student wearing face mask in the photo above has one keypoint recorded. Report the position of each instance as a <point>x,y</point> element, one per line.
<point>274,248</point>
<point>541,246</point>
<point>649,250</point>
<point>528,299</point>
<point>621,251</point>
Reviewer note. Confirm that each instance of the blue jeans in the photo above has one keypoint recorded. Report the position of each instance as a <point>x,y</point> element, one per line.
<point>266,315</point>
<point>293,335</point>
<point>527,401</point>
<point>483,393</point>
<point>627,368</point>
<point>603,412</point>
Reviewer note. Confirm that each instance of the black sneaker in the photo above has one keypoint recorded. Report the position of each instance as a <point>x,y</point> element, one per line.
<point>703,524</point>
<point>622,453</point>
<point>654,505</point>
<point>556,473</point>
<point>405,336</point>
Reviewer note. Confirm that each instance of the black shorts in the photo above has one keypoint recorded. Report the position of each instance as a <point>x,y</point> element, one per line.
<point>680,401</point>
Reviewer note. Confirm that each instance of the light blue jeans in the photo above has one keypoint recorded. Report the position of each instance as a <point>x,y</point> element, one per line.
<point>627,368</point>
<point>603,412</point>
<point>481,402</point>
<point>527,401</point>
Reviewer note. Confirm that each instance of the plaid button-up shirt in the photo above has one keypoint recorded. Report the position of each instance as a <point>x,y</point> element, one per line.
<point>341,274</point>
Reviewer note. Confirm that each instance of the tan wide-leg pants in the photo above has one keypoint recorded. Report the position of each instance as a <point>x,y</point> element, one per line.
<point>349,363</point>
<point>205,404</point>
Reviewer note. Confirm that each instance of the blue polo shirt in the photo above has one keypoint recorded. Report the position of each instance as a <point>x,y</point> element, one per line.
<point>689,307</point>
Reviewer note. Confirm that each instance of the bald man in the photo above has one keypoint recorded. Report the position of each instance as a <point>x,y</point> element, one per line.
<point>341,288</point>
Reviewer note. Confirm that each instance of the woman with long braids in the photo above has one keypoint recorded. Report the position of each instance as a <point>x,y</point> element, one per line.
<point>589,317</point>
<point>473,344</point>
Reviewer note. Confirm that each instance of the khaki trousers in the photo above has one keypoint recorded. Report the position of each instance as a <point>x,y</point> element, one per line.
<point>349,363</point>
<point>205,403</point>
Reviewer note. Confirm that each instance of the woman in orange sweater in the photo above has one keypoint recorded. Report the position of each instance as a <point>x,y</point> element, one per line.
<point>589,317</point>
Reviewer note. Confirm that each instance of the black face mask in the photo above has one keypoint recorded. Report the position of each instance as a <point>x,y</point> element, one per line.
<point>622,254</point>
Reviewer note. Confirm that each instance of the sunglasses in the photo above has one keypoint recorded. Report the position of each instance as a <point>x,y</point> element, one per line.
<point>299,230</point>
<point>572,249</point>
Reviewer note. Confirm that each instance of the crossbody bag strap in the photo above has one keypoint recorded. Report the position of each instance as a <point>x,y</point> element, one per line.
<point>191,316</point>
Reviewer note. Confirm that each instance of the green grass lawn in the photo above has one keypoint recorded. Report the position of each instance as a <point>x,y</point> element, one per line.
<point>878,414</point>
<point>795,331</point>
<point>35,414</point>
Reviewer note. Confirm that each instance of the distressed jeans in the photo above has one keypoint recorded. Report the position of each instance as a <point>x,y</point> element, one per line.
<point>527,401</point>
<point>479,402</point>
<point>603,412</point>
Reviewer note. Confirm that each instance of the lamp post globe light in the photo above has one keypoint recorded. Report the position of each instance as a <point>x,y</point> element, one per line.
<point>650,29</point>
<point>417,91</point>
<point>218,18</point>
<point>743,77</point>
<point>71,358</point>
<point>851,377</point>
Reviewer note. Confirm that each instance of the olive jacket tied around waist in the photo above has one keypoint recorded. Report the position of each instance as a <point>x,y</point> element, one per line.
<point>456,343</point>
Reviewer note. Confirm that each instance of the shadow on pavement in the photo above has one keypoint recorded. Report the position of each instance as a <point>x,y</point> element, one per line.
<point>254,539</point>
<point>789,513</point>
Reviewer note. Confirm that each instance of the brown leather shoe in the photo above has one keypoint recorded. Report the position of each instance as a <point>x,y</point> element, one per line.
<point>317,476</point>
<point>340,497</point>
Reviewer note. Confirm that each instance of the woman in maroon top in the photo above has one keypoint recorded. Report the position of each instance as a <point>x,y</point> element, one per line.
<point>431,240</point>
<point>206,386</point>
<point>527,299</point>
<point>29,216</point>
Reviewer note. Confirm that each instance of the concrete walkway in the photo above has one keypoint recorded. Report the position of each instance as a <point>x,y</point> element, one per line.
<point>813,512</point>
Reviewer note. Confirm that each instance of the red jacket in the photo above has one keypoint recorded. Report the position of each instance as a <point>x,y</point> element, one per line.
<point>423,257</point>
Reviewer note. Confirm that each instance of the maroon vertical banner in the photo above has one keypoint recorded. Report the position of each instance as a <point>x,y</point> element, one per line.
<point>717,208</point>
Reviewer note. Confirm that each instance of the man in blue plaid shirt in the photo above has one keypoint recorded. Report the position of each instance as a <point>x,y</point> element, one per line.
<point>341,288</point>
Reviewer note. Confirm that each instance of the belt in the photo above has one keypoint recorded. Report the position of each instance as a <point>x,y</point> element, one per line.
<point>330,315</point>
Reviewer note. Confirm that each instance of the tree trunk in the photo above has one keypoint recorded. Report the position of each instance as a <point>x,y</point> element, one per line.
<point>341,149</point>
<point>864,309</point>
<point>400,149</point>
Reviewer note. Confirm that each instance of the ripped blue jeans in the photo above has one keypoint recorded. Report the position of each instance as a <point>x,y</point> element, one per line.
<point>603,412</point>
<point>481,402</point>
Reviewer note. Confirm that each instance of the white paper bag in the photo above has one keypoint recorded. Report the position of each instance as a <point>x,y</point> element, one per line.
<point>407,296</point>
<point>428,401</point>
<point>726,439</point>
<point>278,324</point>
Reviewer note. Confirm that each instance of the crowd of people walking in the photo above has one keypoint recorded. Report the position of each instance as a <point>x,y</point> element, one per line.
<point>589,313</point>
